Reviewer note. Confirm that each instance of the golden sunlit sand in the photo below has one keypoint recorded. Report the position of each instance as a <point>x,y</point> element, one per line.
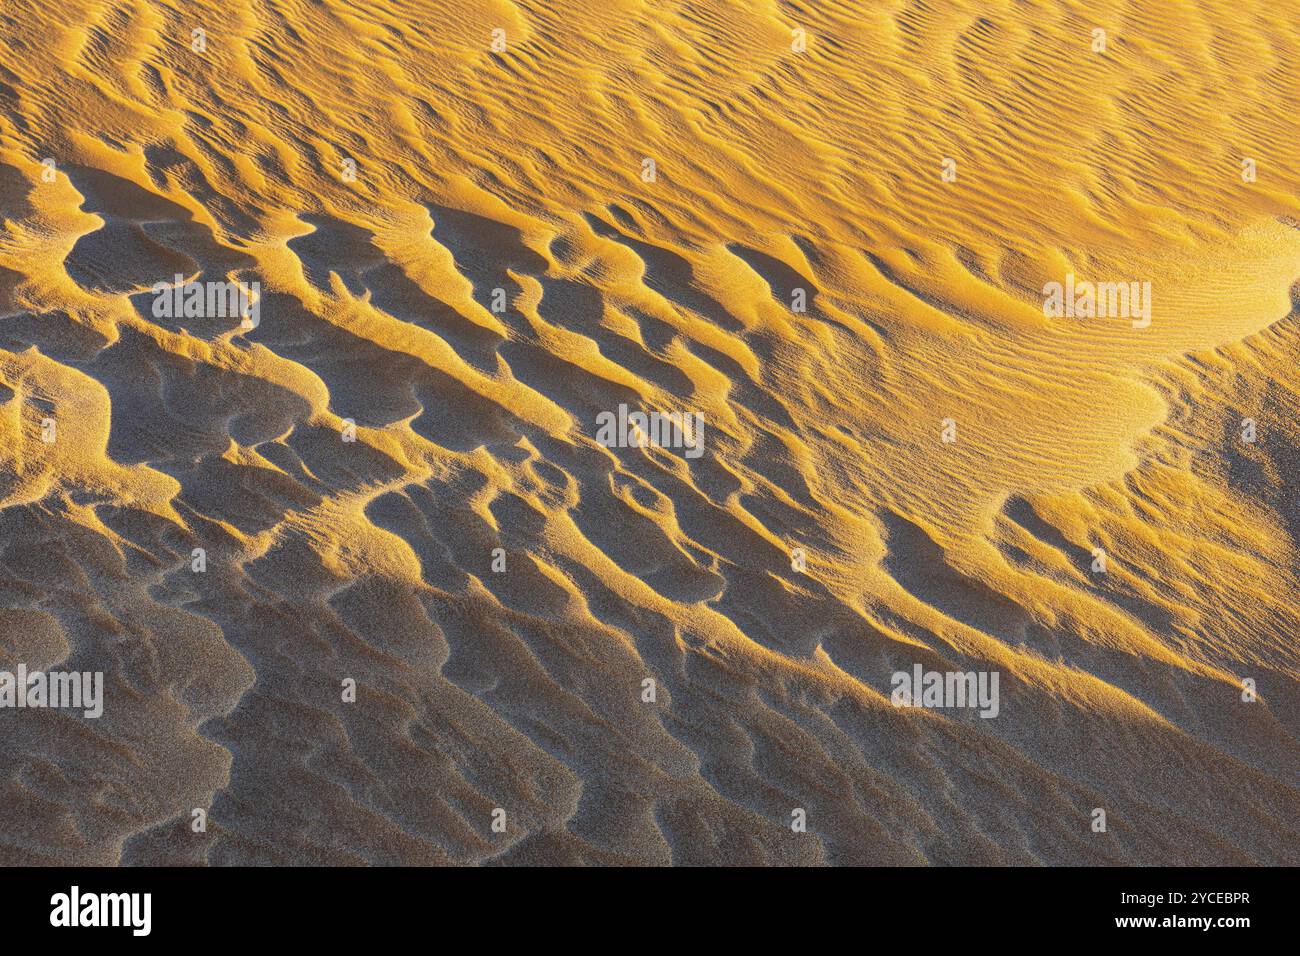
<point>826,229</point>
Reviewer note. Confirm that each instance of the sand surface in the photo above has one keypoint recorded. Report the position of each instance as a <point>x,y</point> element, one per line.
<point>462,254</point>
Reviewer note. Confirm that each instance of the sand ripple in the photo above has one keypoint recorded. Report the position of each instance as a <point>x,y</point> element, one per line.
<point>497,275</point>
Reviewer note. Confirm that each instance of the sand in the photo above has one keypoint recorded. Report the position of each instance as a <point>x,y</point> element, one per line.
<point>364,583</point>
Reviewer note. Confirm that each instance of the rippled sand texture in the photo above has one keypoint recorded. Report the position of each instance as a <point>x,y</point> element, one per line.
<point>522,171</point>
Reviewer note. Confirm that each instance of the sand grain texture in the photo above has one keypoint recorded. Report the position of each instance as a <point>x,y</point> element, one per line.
<point>776,170</point>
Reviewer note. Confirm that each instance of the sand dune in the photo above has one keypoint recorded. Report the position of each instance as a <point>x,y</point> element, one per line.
<point>825,228</point>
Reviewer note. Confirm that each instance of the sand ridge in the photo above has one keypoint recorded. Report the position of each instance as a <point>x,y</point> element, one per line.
<point>389,179</point>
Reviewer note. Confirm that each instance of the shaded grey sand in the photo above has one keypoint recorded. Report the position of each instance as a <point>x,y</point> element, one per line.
<point>497,277</point>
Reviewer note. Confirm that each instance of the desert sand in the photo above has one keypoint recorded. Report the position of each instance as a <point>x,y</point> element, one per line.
<point>827,229</point>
